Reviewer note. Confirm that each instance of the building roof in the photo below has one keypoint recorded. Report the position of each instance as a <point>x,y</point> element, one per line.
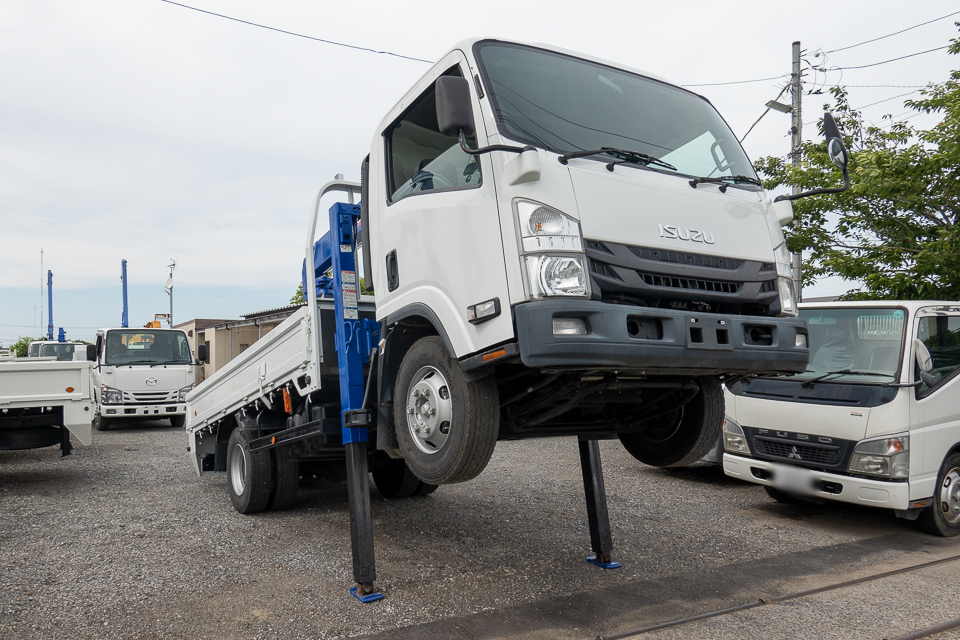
<point>278,311</point>
<point>201,323</point>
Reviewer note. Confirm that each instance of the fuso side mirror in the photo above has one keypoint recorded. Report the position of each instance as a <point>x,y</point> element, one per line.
<point>91,353</point>
<point>924,362</point>
<point>202,354</point>
<point>454,112</point>
<point>835,148</point>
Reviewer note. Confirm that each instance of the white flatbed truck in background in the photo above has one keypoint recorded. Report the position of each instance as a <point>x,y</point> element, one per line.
<point>43,401</point>
<point>873,421</point>
<point>558,247</point>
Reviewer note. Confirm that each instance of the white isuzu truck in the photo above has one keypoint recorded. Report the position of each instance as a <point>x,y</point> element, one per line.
<point>558,246</point>
<point>142,373</point>
<point>874,420</point>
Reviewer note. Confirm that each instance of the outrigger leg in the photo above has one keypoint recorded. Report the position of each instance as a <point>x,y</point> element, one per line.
<point>361,523</point>
<point>596,495</point>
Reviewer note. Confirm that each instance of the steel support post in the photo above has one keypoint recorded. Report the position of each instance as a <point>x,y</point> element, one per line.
<point>597,516</point>
<point>361,522</point>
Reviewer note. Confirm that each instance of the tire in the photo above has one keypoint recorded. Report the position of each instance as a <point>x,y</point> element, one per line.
<point>684,436</point>
<point>942,518</point>
<point>455,442</point>
<point>286,479</point>
<point>780,496</point>
<point>249,475</point>
<point>177,422</point>
<point>395,480</point>
<point>100,423</point>
<point>32,438</point>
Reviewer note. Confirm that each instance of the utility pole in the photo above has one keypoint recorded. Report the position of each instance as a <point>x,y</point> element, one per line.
<point>41,289</point>
<point>796,87</point>
<point>168,287</point>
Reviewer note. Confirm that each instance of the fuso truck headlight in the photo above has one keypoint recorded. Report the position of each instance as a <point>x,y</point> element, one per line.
<point>110,396</point>
<point>182,397</point>
<point>734,441</point>
<point>885,457</point>
<point>553,260</point>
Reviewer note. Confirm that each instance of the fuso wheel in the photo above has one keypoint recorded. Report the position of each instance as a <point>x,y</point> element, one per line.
<point>447,427</point>
<point>178,421</point>
<point>942,518</point>
<point>250,474</point>
<point>683,436</point>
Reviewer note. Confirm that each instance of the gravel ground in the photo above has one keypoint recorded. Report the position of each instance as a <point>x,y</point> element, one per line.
<point>122,540</point>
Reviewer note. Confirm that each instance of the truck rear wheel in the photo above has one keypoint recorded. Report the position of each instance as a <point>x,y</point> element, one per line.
<point>250,474</point>
<point>35,438</point>
<point>286,479</point>
<point>942,518</point>
<point>447,427</point>
<point>395,480</point>
<point>683,436</point>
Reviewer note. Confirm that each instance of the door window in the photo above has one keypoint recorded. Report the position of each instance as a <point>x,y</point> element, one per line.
<point>421,158</point>
<point>941,335</point>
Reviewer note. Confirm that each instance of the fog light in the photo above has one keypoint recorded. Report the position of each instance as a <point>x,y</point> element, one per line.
<point>569,327</point>
<point>801,341</point>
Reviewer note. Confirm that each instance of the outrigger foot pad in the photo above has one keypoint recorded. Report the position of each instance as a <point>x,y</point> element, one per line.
<point>608,564</point>
<point>373,596</point>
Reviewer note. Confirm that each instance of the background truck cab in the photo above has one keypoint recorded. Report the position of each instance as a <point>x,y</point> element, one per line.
<point>142,373</point>
<point>873,421</point>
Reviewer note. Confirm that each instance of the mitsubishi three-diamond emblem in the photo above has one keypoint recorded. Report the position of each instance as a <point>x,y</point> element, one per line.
<point>794,454</point>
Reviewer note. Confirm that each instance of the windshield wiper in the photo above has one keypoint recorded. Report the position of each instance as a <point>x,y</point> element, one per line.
<point>811,381</point>
<point>723,181</point>
<point>625,155</point>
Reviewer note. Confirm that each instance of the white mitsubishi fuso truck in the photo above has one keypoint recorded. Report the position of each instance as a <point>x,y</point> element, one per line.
<point>558,246</point>
<point>874,420</point>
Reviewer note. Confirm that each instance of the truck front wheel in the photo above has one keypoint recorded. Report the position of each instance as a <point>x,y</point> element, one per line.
<point>942,518</point>
<point>683,436</point>
<point>100,423</point>
<point>447,427</point>
<point>177,422</point>
<point>250,473</point>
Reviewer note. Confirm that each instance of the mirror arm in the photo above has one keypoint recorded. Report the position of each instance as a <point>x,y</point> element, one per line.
<point>493,147</point>
<point>816,192</point>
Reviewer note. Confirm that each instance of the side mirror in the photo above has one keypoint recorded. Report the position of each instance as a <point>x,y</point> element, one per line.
<point>91,353</point>
<point>835,148</point>
<point>454,111</point>
<point>202,354</point>
<point>924,362</point>
<point>783,209</point>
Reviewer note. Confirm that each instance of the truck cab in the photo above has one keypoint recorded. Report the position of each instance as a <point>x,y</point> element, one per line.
<point>872,421</point>
<point>62,351</point>
<point>585,244</point>
<point>141,373</point>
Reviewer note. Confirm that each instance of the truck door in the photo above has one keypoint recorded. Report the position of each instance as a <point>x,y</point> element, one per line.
<point>439,243</point>
<point>935,412</point>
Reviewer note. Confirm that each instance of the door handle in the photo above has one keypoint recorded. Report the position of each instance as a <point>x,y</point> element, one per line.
<point>393,271</point>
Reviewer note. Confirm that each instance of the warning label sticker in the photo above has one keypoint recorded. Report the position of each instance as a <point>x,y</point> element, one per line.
<point>348,289</point>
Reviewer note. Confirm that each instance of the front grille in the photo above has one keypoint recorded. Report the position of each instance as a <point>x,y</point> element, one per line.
<point>150,397</point>
<point>713,286</point>
<point>826,456</point>
<point>669,279</point>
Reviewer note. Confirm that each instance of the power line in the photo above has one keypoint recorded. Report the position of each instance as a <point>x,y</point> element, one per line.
<point>299,35</point>
<point>875,64</point>
<point>886,100</point>
<point>892,34</point>
<point>762,114</point>
<point>717,84</point>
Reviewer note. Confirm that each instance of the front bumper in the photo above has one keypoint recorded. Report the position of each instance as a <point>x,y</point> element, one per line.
<point>819,484</point>
<point>143,410</point>
<point>658,341</point>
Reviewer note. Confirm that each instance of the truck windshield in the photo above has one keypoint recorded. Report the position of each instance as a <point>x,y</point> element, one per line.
<point>138,346</point>
<point>859,345</point>
<point>61,351</point>
<point>567,104</point>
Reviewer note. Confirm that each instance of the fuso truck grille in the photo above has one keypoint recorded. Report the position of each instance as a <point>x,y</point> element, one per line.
<point>649,277</point>
<point>826,456</point>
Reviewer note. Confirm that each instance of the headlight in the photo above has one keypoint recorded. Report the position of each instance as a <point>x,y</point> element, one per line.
<point>183,393</point>
<point>784,261</point>
<point>734,440</point>
<point>788,297</point>
<point>553,260</point>
<point>886,457</point>
<point>110,396</point>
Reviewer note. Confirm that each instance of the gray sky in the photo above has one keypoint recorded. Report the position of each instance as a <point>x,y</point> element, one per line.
<point>141,130</point>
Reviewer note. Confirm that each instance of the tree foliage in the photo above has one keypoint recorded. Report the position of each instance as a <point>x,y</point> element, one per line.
<point>22,345</point>
<point>895,230</point>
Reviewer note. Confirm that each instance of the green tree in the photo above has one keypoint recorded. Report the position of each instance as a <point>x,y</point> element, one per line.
<point>298,295</point>
<point>895,230</point>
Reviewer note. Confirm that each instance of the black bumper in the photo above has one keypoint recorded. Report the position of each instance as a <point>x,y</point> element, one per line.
<point>658,341</point>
